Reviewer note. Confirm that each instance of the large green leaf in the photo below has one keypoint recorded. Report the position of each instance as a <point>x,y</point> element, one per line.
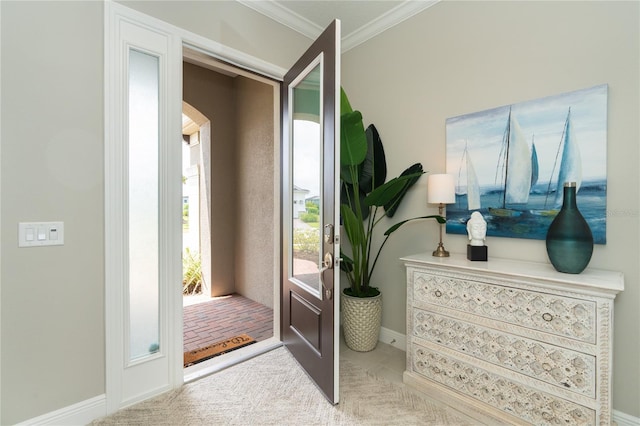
<point>374,168</point>
<point>353,140</point>
<point>354,227</point>
<point>345,106</point>
<point>348,197</point>
<point>385,193</point>
<point>346,263</point>
<point>391,230</point>
<point>416,171</point>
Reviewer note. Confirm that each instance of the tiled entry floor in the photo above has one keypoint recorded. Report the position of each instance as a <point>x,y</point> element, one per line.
<point>219,318</point>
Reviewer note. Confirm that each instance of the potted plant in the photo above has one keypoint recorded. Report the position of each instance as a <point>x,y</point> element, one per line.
<point>366,199</point>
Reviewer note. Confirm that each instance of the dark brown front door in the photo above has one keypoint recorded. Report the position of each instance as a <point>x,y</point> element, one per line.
<point>310,148</point>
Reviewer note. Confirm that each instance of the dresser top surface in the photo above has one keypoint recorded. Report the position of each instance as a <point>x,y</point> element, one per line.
<point>610,281</point>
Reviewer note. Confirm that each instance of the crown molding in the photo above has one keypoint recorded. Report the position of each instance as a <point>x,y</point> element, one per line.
<point>285,16</point>
<point>298,23</point>
<point>390,19</point>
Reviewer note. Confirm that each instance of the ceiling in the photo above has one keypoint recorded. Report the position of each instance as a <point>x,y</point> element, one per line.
<point>361,19</point>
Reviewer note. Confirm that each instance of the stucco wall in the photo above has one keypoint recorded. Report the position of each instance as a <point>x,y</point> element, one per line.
<point>213,95</point>
<point>255,175</point>
<point>459,57</point>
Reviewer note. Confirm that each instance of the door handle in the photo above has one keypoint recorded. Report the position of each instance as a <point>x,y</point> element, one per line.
<point>327,264</point>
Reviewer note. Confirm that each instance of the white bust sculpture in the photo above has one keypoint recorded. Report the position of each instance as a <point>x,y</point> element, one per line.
<point>477,229</point>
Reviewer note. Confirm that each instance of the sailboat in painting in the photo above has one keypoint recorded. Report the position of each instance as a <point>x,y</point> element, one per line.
<point>514,171</point>
<point>472,188</point>
<point>534,163</point>
<point>570,167</point>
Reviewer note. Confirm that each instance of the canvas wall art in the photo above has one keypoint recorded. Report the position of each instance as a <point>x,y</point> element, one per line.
<point>510,163</point>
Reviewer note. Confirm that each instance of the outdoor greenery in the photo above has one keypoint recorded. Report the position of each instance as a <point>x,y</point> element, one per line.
<point>309,217</point>
<point>185,216</point>
<point>192,272</point>
<point>306,240</point>
<point>312,207</point>
<point>364,192</point>
<point>312,215</point>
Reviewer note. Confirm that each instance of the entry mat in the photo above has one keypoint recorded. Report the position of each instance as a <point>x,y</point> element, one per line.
<point>218,348</point>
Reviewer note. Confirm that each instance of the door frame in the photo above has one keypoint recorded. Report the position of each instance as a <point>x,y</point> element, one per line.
<point>170,298</point>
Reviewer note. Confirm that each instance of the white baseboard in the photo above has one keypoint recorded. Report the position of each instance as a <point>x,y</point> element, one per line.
<point>393,338</point>
<point>623,419</point>
<point>79,414</point>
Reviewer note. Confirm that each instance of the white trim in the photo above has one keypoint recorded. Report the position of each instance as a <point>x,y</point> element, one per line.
<point>116,16</point>
<point>390,19</point>
<point>204,45</point>
<point>285,16</point>
<point>220,363</point>
<point>81,413</point>
<point>393,338</point>
<point>336,215</point>
<point>288,18</point>
<point>624,419</point>
<point>161,372</point>
<point>0,213</point>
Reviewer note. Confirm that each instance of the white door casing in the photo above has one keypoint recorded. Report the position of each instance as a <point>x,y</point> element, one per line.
<point>126,28</point>
<point>130,381</point>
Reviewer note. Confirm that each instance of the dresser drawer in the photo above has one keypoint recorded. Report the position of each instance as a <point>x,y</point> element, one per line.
<point>532,405</point>
<point>555,365</point>
<point>563,316</point>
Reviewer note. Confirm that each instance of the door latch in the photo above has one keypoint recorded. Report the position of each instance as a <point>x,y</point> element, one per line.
<point>327,264</point>
<point>328,234</point>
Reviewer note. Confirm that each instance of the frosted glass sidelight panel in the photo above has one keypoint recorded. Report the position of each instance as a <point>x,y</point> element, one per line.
<point>306,192</point>
<point>143,205</point>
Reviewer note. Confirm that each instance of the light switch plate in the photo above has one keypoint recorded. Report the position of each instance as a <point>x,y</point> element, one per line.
<point>38,234</point>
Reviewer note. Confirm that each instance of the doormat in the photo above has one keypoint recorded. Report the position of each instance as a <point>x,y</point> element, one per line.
<point>218,348</point>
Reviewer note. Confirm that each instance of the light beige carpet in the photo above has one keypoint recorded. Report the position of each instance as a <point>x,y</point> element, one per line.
<point>272,389</point>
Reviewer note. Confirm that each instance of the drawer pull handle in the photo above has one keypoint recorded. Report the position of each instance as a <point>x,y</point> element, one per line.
<point>438,293</point>
<point>547,316</point>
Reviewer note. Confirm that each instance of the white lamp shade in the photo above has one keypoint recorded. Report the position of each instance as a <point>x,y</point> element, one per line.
<point>441,189</point>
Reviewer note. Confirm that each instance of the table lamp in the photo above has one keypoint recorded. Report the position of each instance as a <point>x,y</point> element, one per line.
<point>441,191</point>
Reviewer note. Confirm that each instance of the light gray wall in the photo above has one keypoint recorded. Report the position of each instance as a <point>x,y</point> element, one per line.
<point>52,169</point>
<point>52,305</point>
<point>460,57</point>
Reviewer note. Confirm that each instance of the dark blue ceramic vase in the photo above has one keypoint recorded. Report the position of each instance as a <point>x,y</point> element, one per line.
<point>569,238</point>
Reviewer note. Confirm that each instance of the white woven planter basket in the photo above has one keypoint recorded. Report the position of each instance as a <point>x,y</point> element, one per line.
<point>361,321</point>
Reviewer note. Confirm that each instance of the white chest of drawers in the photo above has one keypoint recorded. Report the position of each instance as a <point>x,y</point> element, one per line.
<point>511,341</point>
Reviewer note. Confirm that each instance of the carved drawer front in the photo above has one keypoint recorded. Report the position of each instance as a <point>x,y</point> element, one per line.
<point>534,406</point>
<point>558,366</point>
<point>564,316</point>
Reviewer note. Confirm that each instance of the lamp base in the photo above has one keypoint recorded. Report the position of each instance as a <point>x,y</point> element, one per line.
<point>440,251</point>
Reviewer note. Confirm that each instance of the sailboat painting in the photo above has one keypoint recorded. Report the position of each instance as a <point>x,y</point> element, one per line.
<point>510,163</point>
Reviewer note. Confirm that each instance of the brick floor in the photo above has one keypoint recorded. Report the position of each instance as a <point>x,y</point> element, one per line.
<point>221,318</point>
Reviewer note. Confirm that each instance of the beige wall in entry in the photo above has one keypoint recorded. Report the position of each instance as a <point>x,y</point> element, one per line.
<point>213,95</point>
<point>241,182</point>
<point>52,170</point>
<point>459,57</point>
<point>254,176</point>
